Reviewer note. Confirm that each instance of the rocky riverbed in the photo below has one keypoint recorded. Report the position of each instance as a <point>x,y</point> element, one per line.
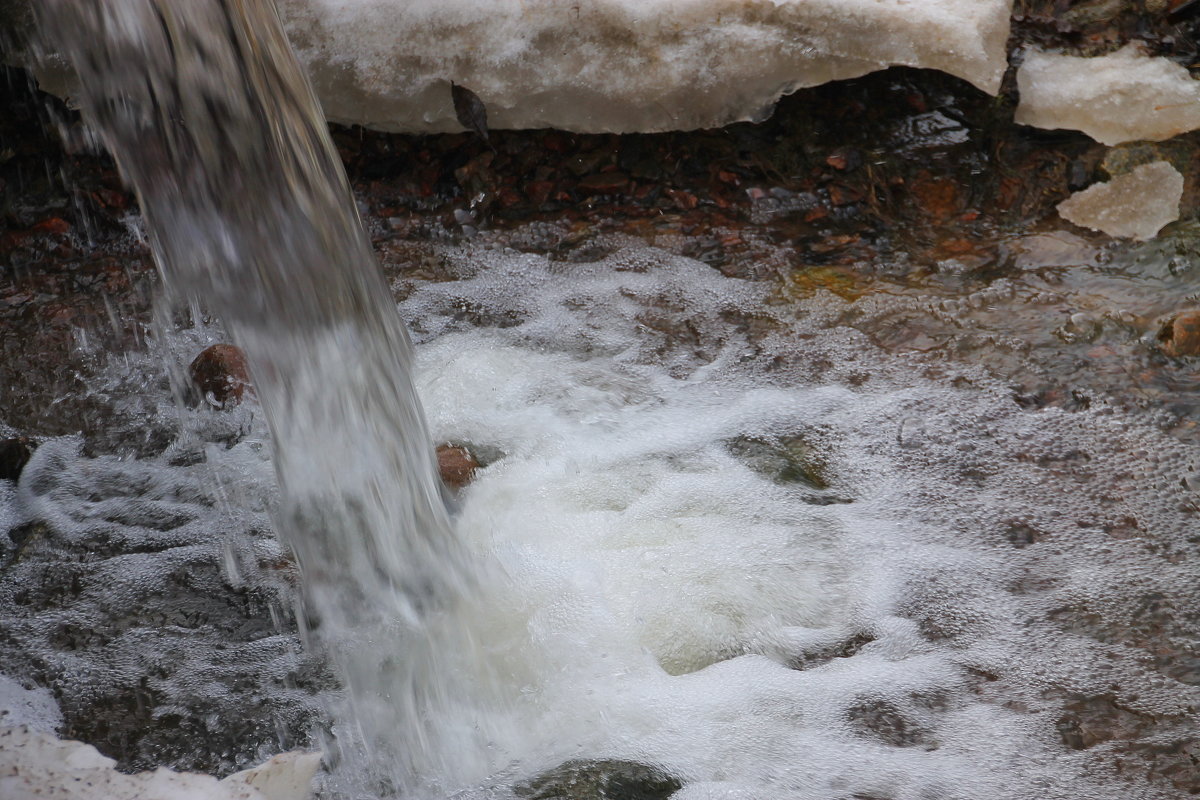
<point>903,211</point>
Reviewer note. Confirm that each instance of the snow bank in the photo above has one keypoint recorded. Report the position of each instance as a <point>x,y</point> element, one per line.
<point>622,65</point>
<point>1122,97</point>
<point>1134,205</point>
<point>34,764</point>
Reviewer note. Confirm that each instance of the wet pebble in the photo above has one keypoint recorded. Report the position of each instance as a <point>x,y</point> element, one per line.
<point>220,374</point>
<point>1180,335</point>
<point>456,465</point>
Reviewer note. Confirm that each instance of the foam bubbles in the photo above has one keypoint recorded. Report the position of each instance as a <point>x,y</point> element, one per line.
<point>726,555</point>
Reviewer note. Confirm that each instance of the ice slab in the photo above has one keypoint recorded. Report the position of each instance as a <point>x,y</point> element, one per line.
<point>613,65</point>
<point>1134,205</point>
<point>622,65</point>
<point>1123,97</point>
<point>34,764</point>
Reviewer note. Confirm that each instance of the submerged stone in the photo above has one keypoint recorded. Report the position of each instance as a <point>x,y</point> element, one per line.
<point>600,780</point>
<point>1122,97</point>
<point>1135,205</point>
<point>1180,336</point>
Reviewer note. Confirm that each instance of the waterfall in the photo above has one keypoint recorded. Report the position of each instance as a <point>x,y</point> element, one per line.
<point>212,121</point>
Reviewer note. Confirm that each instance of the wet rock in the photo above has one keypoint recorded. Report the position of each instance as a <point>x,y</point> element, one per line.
<point>1088,721</point>
<point>221,375</point>
<point>604,183</point>
<point>844,648</point>
<point>1135,205</point>
<point>14,455</point>
<point>456,465</point>
<point>882,720</point>
<point>789,461</point>
<point>1180,335</point>
<point>600,780</point>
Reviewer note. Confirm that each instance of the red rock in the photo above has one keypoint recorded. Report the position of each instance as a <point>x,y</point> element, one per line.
<point>1180,335</point>
<point>683,200</point>
<point>841,195</point>
<point>844,159</point>
<point>538,192</point>
<point>111,198</point>
<point>52,225</point>
<point>938,196</point>
<point>604,183</point>
<point>220,372</point>
<point>456,465</point>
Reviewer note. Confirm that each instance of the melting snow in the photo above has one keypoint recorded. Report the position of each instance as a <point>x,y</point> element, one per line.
<point>1123,97</point>
<point>1134,205</point>
<point>622,65</point>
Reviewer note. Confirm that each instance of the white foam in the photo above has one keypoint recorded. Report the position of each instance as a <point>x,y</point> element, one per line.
<point>662,590</point>
<point>622,65</point>
<point>667,599</point>
<point>1121,97</point>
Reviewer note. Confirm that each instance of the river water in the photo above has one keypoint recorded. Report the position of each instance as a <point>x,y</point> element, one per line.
<point>724,543</point>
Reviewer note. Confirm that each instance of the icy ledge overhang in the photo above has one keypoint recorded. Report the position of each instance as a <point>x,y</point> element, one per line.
<point>622,65</point>
<point>1122,97</point>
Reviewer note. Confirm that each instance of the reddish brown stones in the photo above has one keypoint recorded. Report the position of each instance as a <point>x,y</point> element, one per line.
<point>604,183</point>
<point>1180,335</point>
<point>221,374</point>
<point>456,465</point>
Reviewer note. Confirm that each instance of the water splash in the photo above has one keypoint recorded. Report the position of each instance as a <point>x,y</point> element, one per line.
<point>212,121</point>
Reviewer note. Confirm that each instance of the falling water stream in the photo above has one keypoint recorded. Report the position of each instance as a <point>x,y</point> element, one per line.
<point>248,210</point>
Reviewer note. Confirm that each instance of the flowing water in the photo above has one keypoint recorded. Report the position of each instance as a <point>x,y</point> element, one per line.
<point>724,545</point>
<point>248,210</point>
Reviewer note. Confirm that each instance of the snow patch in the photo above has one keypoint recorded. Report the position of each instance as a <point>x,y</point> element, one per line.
<point>35,764</point>
<point>622,65</point>
<point>34,708</point>
<point>1123,97</point>
<point>1134,205</point>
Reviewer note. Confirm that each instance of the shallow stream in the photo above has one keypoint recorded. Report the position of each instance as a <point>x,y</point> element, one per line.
<point>911,516</point>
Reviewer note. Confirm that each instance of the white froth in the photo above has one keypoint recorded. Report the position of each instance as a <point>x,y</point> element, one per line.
<point>670,605</point>
<point>1122,97</point>
<point>622,65</point>
<point>667,599</point>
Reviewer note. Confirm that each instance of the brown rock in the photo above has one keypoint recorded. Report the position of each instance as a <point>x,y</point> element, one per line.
<point>1180,335</point>
<point>456,465</point>
<point>14,455</point>
<point>52,225</point>
<point>939,197</point>
<point>220,372</point>
<point>604,183</point>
